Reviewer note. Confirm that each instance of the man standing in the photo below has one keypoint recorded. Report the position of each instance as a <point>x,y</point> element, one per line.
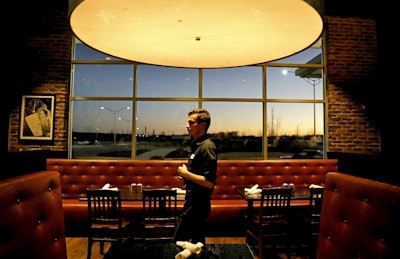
<point>199,175</point>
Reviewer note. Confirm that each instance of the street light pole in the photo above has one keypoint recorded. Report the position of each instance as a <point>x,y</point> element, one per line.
<point>315,124</point>
<point>128,123</point>
<point>115,112</point>
<point>313,83</point>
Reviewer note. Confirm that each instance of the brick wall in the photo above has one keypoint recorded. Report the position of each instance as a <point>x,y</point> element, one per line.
<point>351,60</point>
<point>47,48</point>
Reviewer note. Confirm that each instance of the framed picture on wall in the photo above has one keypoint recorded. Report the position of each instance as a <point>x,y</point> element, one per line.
<point>37,119</point>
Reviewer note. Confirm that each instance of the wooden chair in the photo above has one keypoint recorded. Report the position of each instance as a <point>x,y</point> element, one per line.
<point>313,219</point>
<point>105,221</point>
<point>270,226</point>
<point>160,217</point>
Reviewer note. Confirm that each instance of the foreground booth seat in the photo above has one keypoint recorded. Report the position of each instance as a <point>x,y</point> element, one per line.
<point>31,217</point>
<point>360,218</point>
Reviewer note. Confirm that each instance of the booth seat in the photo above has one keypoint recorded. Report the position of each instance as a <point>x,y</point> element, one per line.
<point>359,218</point>
<point>32,219</point>
<point>227,206</point>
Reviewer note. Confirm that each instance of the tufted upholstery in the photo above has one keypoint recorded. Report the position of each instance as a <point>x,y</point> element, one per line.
<point>79,174</point>
<point>31,217</point>
<point>360,219</point>
<point>269,173</point>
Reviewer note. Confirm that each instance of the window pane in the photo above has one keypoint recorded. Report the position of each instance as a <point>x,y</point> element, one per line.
<point>102,129</point>
<point>83,52</point>
<point>292,127</point>
<point>164,95</point>
<point>157,81</point>
<point>285,83</point>
<point>161,129</point>
<point>241,82</point>
<point>103,80</point>
<point>305,56</point>
<point>172,142</point>
<point>237,128</point>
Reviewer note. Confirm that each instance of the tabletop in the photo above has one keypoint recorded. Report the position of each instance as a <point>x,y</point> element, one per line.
<point>128,195</point>
<point>299,193</point>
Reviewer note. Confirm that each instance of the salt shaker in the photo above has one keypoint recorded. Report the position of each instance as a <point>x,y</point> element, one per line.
<point>139,187</point>
<point>291,185</point>
<point>133,187</point>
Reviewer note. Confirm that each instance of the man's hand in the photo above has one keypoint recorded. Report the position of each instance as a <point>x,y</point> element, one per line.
<point>182,172</point>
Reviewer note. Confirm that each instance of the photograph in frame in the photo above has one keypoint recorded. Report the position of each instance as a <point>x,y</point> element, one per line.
<point>37,118</point>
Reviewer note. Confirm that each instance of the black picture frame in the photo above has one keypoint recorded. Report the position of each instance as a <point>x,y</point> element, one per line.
<point>37,119</point>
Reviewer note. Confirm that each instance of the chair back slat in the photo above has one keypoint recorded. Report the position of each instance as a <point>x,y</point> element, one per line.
<point>160,215</point>
<point>315,205</point>
<point>275,200</point>
<point>270,227</point>
<point>313,218</point>
<point>104,206</point>
<point>105,220</point>
<point>159,203</point>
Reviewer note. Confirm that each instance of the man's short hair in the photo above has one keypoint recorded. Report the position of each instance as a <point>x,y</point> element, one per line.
<point>202,116</point>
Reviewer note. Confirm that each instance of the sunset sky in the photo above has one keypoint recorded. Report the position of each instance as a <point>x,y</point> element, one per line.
<point>170,117</point>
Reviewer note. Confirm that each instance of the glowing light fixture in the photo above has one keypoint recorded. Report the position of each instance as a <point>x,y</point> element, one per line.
<point>197,33</point>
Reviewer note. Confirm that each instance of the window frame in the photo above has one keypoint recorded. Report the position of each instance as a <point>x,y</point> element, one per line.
<point>264,100</point>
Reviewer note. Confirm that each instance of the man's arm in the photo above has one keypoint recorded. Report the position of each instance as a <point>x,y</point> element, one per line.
<point>198,179</point>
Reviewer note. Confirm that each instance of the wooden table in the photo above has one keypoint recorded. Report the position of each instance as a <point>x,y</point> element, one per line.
<point>300,197</point>
<point>128,195</point>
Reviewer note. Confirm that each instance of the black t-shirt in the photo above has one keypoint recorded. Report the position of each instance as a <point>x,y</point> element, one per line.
<point>202,161</point>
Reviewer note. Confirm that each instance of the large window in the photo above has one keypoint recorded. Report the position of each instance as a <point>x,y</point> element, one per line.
<point>122,109</point>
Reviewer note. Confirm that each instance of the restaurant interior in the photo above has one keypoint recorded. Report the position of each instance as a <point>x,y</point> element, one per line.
<point>38,61</point>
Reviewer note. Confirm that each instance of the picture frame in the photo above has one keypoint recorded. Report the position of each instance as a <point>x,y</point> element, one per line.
<point>37,119</point>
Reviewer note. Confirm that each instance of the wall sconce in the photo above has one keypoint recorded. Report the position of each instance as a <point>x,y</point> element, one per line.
<point>197,34</point>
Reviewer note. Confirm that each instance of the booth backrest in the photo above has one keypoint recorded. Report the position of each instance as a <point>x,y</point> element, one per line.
<point>269,173</point>
<point>79,174</point>
<point>31,217</point>
<point>360,218</point>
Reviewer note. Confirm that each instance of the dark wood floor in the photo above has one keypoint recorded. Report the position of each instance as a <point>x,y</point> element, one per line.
<point>77,246</point>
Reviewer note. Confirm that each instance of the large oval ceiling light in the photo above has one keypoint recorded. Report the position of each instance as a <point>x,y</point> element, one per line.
<point>197,34</point>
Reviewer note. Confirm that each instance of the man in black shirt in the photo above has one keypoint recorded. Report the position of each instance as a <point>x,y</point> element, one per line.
<point>199,175</point>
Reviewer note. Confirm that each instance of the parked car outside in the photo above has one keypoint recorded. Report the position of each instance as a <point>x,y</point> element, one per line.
<point>304,154</point>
